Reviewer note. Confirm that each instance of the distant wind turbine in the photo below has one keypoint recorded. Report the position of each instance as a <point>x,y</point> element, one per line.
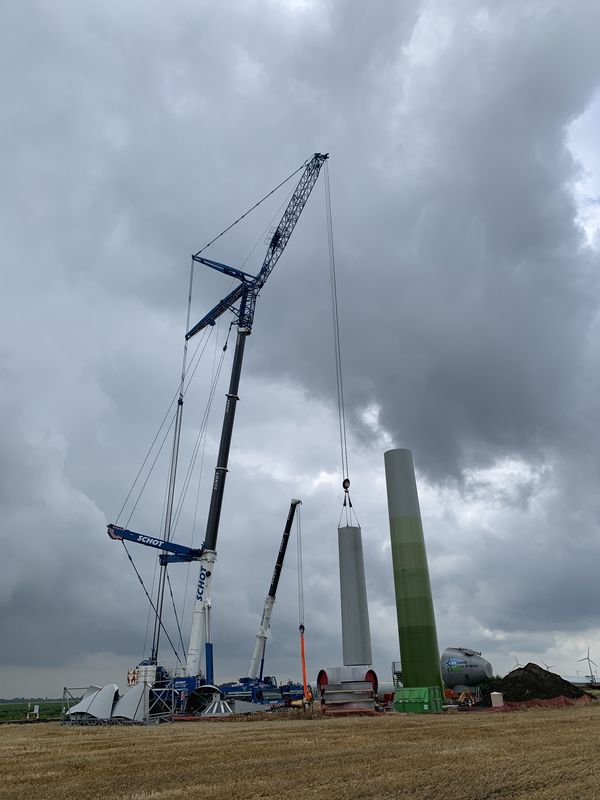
<point>587,658</point>
<point>548,666</point>
<point>517,662</point>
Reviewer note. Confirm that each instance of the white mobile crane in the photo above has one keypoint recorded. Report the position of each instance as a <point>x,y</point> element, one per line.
<point>258,655</point>
<point>257,687</point>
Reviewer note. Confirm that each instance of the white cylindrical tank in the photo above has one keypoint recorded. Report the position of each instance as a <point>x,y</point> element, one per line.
<point>464,667</point>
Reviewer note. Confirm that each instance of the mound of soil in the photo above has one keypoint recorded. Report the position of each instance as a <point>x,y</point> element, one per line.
<point>531,682</point>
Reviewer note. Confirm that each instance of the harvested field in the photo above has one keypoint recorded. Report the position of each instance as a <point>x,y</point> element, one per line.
<point>530,755</point>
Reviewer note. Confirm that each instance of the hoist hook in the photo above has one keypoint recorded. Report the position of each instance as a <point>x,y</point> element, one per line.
<point>346,487</point>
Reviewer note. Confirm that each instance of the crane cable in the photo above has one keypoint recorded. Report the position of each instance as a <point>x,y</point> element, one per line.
<point>200,441</point>
<point>202,432</point>
<point>195,358</point>
<point>214,380</point>
<point>347,504</point>
<point>179,394</point>
<point>256,205</point>
<point>175,511</point>
<point>301,603</point>
<point>200,435</point>
<point>167,516</point>
<point>300,575</point>
<point>151,602</point>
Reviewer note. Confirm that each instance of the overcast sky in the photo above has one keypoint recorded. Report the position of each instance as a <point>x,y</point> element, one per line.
<point>465,183</point>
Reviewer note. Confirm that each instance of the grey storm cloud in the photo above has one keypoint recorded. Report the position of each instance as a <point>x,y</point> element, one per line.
<point>132,134</point>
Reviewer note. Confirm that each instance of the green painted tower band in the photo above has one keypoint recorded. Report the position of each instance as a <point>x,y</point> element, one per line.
<point>416,619</point>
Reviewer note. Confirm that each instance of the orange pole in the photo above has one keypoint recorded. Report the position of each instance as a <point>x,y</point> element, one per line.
<point>303,657</point>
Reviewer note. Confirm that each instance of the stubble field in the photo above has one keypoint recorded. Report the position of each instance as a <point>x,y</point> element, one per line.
<point>529,755</point>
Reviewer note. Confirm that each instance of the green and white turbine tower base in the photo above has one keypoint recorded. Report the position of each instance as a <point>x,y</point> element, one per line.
<point>419,650</point>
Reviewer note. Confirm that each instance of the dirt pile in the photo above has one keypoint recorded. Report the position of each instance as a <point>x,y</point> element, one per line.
<point>531,682</point>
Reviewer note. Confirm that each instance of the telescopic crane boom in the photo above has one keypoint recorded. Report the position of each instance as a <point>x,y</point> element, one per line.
<point>258,655</point>
<point>242,302</point>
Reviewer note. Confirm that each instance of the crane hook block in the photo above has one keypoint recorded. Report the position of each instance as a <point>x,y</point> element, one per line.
<point>346,484</point>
